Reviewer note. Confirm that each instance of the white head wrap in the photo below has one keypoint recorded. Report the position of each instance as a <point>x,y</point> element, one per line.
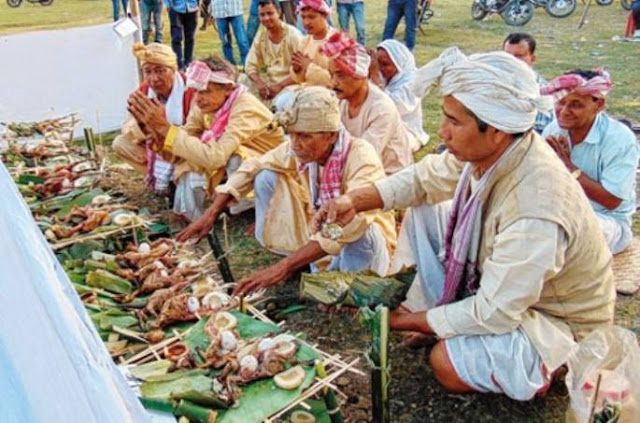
<point>498,88</point>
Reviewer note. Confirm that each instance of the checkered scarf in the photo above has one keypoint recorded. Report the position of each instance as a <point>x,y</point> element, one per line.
<point>199,75</point>
<point>318,5</point>
<point>331,183</point>
<point>221,118</point>
<point>598,86</point>
<point>348,55</point>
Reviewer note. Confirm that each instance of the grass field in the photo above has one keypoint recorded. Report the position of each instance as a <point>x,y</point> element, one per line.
<point>561,46</point>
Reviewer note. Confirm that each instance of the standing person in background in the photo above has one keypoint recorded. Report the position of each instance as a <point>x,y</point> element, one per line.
<point>523,46</point>
<point>229,13</point>
<point>396,9</point>
<point>289,11</point>
<point>183,16</point>
<point>355,8</point>
<point>253,22</point>
<point>149,8</point>
<point>205,5</point>
<point>116,8</point>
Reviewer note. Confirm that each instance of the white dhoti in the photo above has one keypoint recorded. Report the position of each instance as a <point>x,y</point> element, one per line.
<point>617,234</point>
<point>369,252</point>
<point>505,363</point>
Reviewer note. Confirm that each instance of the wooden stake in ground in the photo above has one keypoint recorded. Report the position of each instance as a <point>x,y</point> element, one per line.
<point>584,15</point>
<point>218,253</point>
<point>378,323</point>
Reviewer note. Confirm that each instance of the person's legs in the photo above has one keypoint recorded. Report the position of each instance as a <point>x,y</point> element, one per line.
<point>411,23</point>
<point>329,20</point>
<point>504,364</point>
<point>288,12</point>
<point>237,23</point>
<point>367,253</point>
<point>253,22</point>
<point>615,233</point>
<point>394,14</point>
<point>190,196</point>
<point>204,14</point>
<point>189,25</point>
<point>133,154</point>
<point>157,20</point>
<point>176,36</point>
<point>264,186</point>
<point>222,24</point>
<point>116,9</point>
<point>125,7</point>
<point>343,16</point>
<point>358,17</point>
<point>145,17</point>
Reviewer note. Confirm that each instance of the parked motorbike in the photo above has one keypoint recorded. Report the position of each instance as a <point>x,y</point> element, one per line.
<point>626,4</point>
<point>520,12</point>
<point>17,3</point>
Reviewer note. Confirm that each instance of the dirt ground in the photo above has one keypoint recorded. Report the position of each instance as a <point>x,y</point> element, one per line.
<point>415,395</point>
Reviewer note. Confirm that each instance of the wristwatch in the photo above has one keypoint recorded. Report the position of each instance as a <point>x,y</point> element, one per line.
<point>576,173</point>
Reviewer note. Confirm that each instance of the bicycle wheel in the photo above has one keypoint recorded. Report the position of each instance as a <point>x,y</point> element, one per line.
<point>46,2</point>
<point>626,4</point>
<point>478,12</point>
<point>518,13</point>
<point>425,13</point>
<point>561,8</point>
<point>14,3</point>
<point>604,2</point>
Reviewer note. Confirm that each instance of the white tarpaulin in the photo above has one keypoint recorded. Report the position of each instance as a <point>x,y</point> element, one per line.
<point>53,365</point>
<point>90,70</point>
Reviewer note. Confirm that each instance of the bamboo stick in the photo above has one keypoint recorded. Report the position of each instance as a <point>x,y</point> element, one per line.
<point>330,400</point>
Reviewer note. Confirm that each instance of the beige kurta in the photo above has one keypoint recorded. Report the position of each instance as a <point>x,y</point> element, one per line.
<point>287,222</point>
<point>272,62</point>
<point>249,133</point>
<point>318,70</point>
<point>567,302</point>
<point>129,145</point>
<point>379,122</point>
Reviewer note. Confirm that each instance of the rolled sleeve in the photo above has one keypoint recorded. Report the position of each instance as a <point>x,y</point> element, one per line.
<point>526,254</point>
<point>618,174</point>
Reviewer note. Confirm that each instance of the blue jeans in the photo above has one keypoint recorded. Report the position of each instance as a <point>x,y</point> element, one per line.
<point>396,9</point>
<point>237,24</point>
<point>345,11</point>
<point>183,26</point>
<point>149,8</point>
<point>116,8</point>
<point>299,24</point>
<point>253,23</point>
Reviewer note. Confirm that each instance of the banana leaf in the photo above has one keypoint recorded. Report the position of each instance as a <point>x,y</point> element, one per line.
<point>82,250</point>
<point>205,399</point>
<point>176,375</point>
<point>318,409</point>
<point>187,409</point>
<point>186,383</point>
<point>155,368</point>
<point>108,281</point>
<point>25,179</point>
<point>360,289</point>
<point>113,317</point>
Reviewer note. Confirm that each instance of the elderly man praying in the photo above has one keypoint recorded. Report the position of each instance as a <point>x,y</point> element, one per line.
<point>161,81</point>
<point>600,152</point>
<point>367,112</point>
<point>519,269</point>
<point>322,161</point>
<point>225,126</point>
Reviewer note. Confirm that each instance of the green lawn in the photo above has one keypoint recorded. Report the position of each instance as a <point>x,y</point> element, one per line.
<point>561,46</point>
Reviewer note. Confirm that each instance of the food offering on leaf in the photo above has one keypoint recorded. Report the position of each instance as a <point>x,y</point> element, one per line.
<point>331,230</point>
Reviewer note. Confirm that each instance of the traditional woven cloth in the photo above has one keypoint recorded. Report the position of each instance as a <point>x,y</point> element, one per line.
<point>318,5</point>
<point>598,86</point>
<point>312,109</point>
<point>462,240</point>
<point>332,177</point>
<point>347,54</point>
<point>221,118</point>
<point>199,75</point>
<point>157,53</point>
<point>498,88</point>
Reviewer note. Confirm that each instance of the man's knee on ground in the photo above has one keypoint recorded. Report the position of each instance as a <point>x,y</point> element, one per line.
<point>265,181</point>
<point>119,146</point>
<point>444,371</point>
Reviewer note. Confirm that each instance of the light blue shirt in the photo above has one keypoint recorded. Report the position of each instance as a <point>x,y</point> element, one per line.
<point>182,6</point>
<point>609,155</point>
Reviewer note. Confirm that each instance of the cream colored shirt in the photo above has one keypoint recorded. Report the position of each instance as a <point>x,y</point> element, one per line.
<point>379,122</point>
<point>318,70</point>
<point>273,59</point>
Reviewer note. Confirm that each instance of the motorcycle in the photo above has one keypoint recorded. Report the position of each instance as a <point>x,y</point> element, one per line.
<point>626,4</point>
<point>520,12</point>
<point>17,3</point>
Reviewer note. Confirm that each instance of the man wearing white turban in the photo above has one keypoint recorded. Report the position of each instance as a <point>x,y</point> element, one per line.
<point>518,270</point>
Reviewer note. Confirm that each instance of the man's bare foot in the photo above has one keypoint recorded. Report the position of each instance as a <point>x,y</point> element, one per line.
<point>415,340</point>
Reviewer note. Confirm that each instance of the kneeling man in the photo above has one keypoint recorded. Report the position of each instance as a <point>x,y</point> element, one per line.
<point>525,270</point>
<point>600,152</point>
<point>321,162</point>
